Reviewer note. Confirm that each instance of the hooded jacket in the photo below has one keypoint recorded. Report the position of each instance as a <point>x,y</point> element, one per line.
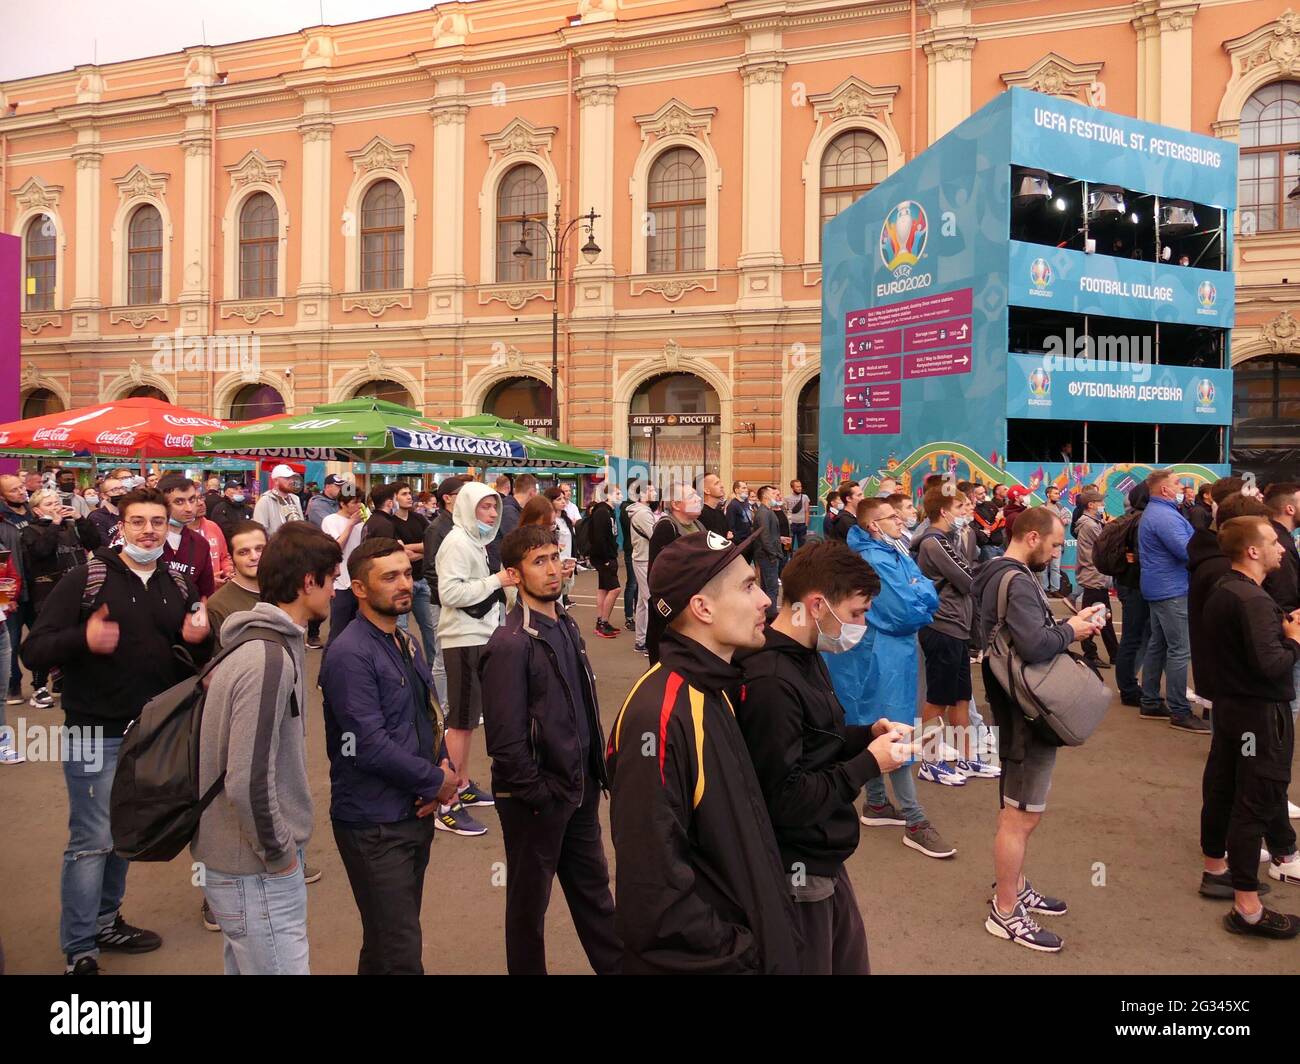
<point>532,732</point>
<point>946,559</point>
<point>1206,562</point>
<point>439,526</point>
<point>465,582</point>
<point>700,883</point>
<point>192,558</point>
<point>1138,496</point>
<point>111,689</point>
<point>640,527</point>
<point>1085,541</point>
<point>1034,630</point>
<point>255,732</point>
<point>809,762</point>
<point>1162,541</point>
<point>878,677</point>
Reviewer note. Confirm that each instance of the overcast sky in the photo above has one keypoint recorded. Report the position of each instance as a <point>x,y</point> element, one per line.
<point>122,30</point>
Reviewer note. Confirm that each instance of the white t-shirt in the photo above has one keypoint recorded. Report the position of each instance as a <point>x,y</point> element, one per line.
<point>333,526</point>
<point>573,513</point>
<point>565,538</point>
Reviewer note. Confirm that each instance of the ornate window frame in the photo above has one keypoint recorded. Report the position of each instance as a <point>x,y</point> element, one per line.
<point>519,141</point>
<point>135,377</point>
<point>229,386</point>
<point>1266,54</point>
<point>253,173</point>
<point>674,125</point>
<point>378,368</point>
<point>478,386</point>
<point>379,160</point>
<point>136,188</point>
<point>852,105</point>
<point>1054,75</point>
<point>35,198</point>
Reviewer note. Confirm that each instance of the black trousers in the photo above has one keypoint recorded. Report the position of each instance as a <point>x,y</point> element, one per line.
<point>1092,596</point>
<point>561,840</point>
<point>1243,789</point>
<point>834,937</point>
<point>385,865</point>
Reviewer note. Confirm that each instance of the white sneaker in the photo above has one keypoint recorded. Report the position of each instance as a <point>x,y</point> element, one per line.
<point>1286,871</point>
<point>1293,810</point>
<point>1264,855</point>
<point>10,756</point>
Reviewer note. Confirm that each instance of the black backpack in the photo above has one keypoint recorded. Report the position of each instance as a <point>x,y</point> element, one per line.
<point>155,805</point>
<point>582,538</point>
<point>1108,553</point>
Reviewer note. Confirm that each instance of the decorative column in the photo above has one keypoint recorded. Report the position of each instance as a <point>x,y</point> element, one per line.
<point>196,221</point>
<point>1164,61</point>
<point>86,246</point>
<point>318,227</point>
<point>760,256</point>
<point>594,282</point>
<point>948,47</point>
<point>447,281</point>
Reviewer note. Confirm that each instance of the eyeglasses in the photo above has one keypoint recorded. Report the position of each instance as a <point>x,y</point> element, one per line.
<point>138,523</point>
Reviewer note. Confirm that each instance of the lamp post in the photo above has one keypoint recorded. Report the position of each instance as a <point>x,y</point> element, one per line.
<point>590,252</point>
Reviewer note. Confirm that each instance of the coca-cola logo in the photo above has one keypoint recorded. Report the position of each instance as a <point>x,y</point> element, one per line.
<point>4,439</point>
<point>193,422</point>
<point>116,439</point>
<point>51,434</point>
<point>185,442</point>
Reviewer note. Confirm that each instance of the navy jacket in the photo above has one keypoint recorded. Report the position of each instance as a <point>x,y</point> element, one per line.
<point>394,730</point>
<point>531,724</point>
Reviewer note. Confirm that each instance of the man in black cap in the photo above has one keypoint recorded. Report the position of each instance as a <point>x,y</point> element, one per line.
<point>326,502</point>
<point>700,885</point>
<point>233,508</point>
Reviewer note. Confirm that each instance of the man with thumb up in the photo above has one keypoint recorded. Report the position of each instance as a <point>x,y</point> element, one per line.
<point>111,626</point>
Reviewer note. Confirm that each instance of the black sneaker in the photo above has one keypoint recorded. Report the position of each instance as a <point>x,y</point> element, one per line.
<point>127,939</point>
<point>1097,663</point>
<point>314,644</point>
<point>1131,700</point>
<point>1191,724</point>
<point>1220,886</point>
<point>630,626</point>
<point>84,966</point>
<point>1271,924</point>
<point>1160,712</point>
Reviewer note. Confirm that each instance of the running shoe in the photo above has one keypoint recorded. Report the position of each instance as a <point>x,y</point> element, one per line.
<point>941,772</point>
<point>458,821</point>
<point>1020,928</point>
<point>880,816</point>
<point>41,699</point>
<point>10,756</point>
<point>123,937</point>
<point>925,839</point>
<point>1285,871</point>
<point>976,769</point>
<point>473,794</point>
<point>1270,925</point>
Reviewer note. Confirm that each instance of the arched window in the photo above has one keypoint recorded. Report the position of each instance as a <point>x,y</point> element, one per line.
<point>675,202</point>
<point>39,402</point>
<point>259,247</point>
<point>147,391</point>
<point>382,237</point>
<point>39,251</point>
<point>661,435</point>
<point>1266,417</point>
<point>144,257</point>
<point>853,163</point>
<point>522,399</point>
<point>388,391</point>
<point>521,197</point>
<point>253,401</point>
<point>1269,169</point>
<point>808,418</point>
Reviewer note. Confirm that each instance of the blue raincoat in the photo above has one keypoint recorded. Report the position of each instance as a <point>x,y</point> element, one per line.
<point>877,678</point>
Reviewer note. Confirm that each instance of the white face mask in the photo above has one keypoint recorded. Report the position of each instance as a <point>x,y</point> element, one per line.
<point>961,521</point>
<point>850,635</point>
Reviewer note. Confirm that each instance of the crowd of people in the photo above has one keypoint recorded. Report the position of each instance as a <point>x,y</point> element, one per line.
<point>798,688</point>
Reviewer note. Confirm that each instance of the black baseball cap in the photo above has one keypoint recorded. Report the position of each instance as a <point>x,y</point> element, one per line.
<point>336,480</point>
<point>449,486</point>
<point>233,482</point>
<point>688,563</point>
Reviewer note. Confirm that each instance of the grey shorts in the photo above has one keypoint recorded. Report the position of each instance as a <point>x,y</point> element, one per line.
<point>1025,783</point>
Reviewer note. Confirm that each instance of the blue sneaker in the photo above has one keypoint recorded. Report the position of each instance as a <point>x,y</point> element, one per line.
<point>1021,929</point>
<point>473,794</point>
<point>976,769</point>
<point>458,821</point>
<point>941,772</point>
<point>1037,903</point>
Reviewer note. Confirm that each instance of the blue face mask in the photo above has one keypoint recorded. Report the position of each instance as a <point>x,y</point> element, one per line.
<point>238,498</point>
<point>174,523</point>
<point>485,530</point>
<point>140,555</point>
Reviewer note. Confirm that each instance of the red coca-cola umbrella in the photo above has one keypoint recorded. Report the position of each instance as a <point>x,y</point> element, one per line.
<point>120,428</point>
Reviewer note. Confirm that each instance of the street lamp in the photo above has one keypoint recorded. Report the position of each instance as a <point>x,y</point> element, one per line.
<point>590,251</point>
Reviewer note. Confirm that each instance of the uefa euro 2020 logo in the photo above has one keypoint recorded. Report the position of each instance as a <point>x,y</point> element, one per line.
<point>1040,382</point>
<point>902,237</point>
<point>1040,273</point>
<point>1206,294</point>
<point>1204,392</point>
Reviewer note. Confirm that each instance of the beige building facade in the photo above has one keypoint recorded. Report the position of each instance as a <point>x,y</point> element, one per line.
<point>338,211</point>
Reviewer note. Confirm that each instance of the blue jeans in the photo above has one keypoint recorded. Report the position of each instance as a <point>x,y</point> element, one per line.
<point>23,615</point>
<point>629,589</point>
<point>768,573</point>
<point>1133,642</point>
<point>263,920</point>
<point>94,877</point>
<point>798,533</point>
<point>1050,577</point>
<point>1168,651</point>
<point>436,666</point>
<point>904,786</point>
<point>422,607</point>
<point>986,553</point>
<point>4,671</point>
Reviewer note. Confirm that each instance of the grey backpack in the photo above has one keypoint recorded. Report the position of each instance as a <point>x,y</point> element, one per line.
<point>1063,699</point>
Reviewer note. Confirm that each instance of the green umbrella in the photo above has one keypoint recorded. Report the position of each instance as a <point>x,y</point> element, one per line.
<point>372,430</point>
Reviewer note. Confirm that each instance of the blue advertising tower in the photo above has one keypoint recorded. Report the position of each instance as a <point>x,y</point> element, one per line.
<point>1044,296</point>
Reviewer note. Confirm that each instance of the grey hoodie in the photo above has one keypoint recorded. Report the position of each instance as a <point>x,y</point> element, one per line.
<point>264,812</point>
<point>1035,632</point>
<point>464,578</point>
<point>956,611</point>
